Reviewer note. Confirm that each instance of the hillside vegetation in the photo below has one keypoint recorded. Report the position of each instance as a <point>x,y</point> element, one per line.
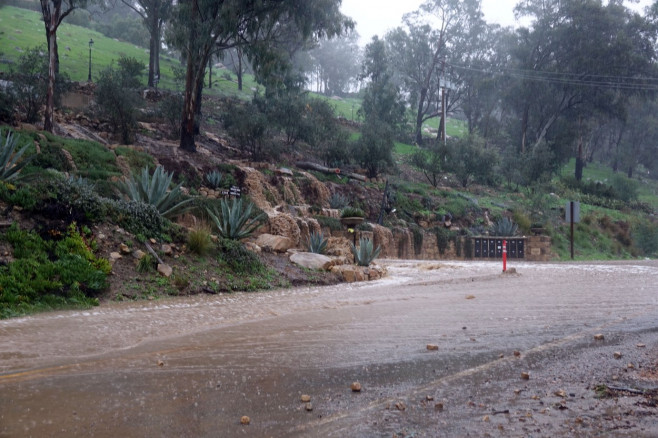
<point>73,216</point>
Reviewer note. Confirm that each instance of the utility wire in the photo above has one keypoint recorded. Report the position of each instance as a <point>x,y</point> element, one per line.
<point>601,81</point>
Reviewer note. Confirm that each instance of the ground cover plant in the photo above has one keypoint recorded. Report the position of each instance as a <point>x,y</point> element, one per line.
<point>53,272</point>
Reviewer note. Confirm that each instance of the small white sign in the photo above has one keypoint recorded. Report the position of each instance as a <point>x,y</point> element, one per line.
<point>576,211</point>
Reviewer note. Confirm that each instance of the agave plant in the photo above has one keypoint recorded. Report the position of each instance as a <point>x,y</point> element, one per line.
<point>338,201</point>
<point>10,161</point>
<point>365,254</point>
<point>214,179</point>
<point>154,190</point>
<point>504,228</point>
<point>352,212</point>
<point>233,221</point>
<point>317,243</point>
<point>81,182</point>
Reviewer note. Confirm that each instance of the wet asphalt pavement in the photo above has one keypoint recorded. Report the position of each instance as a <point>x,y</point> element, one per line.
<point>192,367</point>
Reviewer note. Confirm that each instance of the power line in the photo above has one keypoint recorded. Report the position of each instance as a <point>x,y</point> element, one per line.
<point>601,81</point>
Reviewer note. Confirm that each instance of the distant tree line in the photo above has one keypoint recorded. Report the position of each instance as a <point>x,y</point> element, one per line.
<point>579,81</point>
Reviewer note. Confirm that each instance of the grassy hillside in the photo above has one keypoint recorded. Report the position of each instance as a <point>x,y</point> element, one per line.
<point>23,29</point>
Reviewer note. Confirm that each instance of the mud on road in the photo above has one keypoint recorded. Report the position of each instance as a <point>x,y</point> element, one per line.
<point>518,355</point>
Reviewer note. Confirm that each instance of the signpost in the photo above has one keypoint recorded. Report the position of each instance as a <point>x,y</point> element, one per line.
<point>572,216</point>
<point>504,255</point>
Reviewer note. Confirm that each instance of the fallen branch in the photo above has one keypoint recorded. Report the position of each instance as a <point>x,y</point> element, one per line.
<point>153,253</point>
<point>631,390</point>
<point>329,170</point>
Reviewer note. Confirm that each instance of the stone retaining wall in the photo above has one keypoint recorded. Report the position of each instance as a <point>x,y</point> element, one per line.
<point>399,243</point>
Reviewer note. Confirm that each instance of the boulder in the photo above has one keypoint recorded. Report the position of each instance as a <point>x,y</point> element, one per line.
<point>350,273</point>
<point>375,272</point>
<point>167,249</point>
<point>165,270</point>
<point>311,260</point>
<point>274,243</point>
<point>250,246</point>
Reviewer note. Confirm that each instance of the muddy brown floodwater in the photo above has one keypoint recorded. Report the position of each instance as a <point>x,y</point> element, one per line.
<point>517,356</point>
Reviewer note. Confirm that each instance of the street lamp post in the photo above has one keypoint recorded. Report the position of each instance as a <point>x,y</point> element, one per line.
<point>91,43</point>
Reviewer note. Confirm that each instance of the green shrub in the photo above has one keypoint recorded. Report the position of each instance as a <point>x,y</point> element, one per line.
<point>116,97</point>
<point>198,240</point>
<point>146,264</point>
<point>329,222</point>
<point>154,190</point>
<point>24,196</point>
<point>249,126</point>
<point>645,236</point>
<point>30,82</point>
<point>171,109</point>
<point>317,243</point>
<point>73,199</point>
<point>238,258</point>
<point>469,160</point>
<point>136,217</point>
<point>7,106</point>
<point>523,221</point>
<point>58,272</point>
<point>233,221</point>
<point>364,254</point>
<point>137,160</point>
<point>443,236</point>
<point>365,226</point>
<point>626,189</point>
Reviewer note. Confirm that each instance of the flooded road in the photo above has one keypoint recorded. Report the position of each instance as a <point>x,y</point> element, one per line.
<point>192,367</point>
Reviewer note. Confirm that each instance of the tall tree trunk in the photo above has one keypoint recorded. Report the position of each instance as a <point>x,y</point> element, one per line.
<point>239,69</point>
<point>187,121</point>
<point>524,129</point>
<point>210,72</point>
<point>51,11</point>
<point>579,167</point>
<point>56,52</point>
<point>48,122</point>
<point>579,156</point>
<point>197,106</point>
<point>153,26</point>
<point>419,117</point>
<point>157,52</point>
<point>151,75</point>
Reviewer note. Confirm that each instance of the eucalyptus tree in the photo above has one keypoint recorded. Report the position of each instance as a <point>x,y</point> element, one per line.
<point>202,27</point>
<point>435,34</point>
<point>579,59</point>
<point>639,139</point>
<point>54,12</point>
<point>154,14</point>
<point>482,87</point>
<point>336,63</point>
<point>382,109</point>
